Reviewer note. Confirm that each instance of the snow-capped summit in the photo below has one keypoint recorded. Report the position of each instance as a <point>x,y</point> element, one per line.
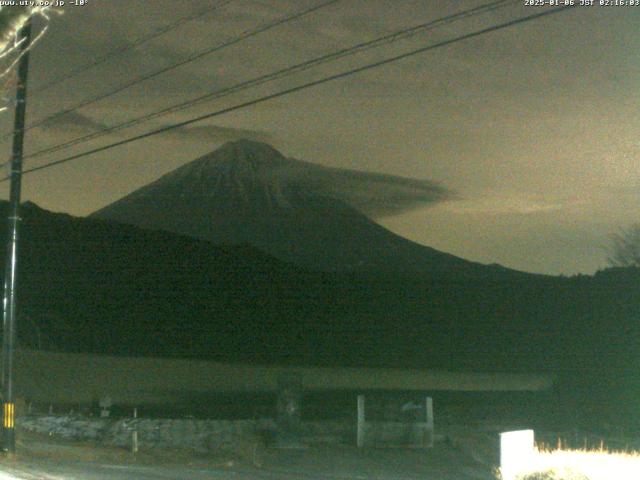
<point>242,160</point>
<point>239,175</point>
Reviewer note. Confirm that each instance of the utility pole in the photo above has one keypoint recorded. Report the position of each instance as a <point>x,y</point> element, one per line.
<point>10,276</point>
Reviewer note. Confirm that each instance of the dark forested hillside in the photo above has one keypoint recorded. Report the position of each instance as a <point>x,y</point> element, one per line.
<point>95,286</point>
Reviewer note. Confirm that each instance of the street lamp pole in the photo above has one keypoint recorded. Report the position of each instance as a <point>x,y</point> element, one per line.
<point>9,301</point>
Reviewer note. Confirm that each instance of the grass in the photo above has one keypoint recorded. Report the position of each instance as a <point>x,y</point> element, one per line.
<point>579,465</point>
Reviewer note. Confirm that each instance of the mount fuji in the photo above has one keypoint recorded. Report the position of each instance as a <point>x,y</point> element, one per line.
<point>316,217</point>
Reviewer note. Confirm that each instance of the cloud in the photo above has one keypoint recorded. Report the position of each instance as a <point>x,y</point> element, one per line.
<point>511,205</point>
<point>379,195</point>
<point>75,122</point>
<point>78,123</point>
<point>216,133</point>
<point>374,194</point>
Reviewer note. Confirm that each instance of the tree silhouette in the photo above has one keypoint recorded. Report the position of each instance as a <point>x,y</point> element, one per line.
<point>625,247</point>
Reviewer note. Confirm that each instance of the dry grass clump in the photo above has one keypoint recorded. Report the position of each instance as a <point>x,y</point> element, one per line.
<point>581,465</point>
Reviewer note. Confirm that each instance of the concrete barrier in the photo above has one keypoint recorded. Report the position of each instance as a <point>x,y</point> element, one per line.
<point>77,379</point>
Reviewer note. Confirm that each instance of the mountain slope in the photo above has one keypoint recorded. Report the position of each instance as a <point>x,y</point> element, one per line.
<point>248,193</point>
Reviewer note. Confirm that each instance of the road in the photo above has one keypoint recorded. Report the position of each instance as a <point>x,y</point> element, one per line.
<point>52,470</point>
<point>328,463</point>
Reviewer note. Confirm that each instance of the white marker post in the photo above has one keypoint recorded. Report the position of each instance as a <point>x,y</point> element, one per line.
<point>429,422</point>
<point>134,433</point>
<point>361,421</point>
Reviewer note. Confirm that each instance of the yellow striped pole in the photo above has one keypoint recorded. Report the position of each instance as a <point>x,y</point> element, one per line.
<point>9,416</point>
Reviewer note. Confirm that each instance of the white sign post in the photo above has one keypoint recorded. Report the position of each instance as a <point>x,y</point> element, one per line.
<point>516,451</point>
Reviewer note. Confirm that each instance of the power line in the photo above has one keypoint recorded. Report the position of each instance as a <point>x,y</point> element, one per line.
<point>227,43</point>
<point>131,45</point>
<point>282,73</point>
<point>301,87</point>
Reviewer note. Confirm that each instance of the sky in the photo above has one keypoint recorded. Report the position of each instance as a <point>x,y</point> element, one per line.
<point>533,128</point>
